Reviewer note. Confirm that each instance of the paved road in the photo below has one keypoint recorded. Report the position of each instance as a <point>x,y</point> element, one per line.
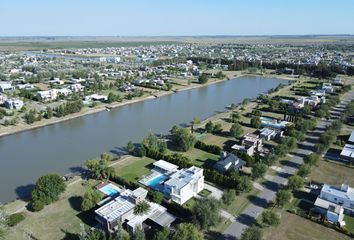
<point>258,204</point>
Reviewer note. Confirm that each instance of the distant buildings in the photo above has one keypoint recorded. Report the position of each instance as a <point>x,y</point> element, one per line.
<point>120,210</point>
<point>178,185</point>
<point>5,87</point>
<point>53,94</point>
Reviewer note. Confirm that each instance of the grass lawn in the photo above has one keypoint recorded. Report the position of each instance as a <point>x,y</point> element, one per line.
<point>201,158</point>
<point>241,202</point>
<point>293,227</point>
<point>349,221</point>
<point>332,173</point>
<point>58,220</point>
<point>204,193</point>
<point>134,168</point>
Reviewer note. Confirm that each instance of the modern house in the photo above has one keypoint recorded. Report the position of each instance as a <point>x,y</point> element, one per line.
<point>347,152</point>
<point>334,213</point>
<point>77,87</point>
<point>251,144</point>
<point>5,87</point>
<point>179,185</point>
<point>274,123</point>
<point>227,162</point>
<point>96,97</point>
<point>13,103</point>
<point>327,87</point>
<point>268,134</point>
<point>120,211</point>
<point>53,94</point>
<point>343,196</point>
<point>312,101</point>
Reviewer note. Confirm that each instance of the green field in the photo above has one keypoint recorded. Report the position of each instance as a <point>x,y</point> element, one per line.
<point>293,227</point>
<point>134,168</point>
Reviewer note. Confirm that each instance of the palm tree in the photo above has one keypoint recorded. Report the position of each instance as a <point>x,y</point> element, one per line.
<point>141,208</point>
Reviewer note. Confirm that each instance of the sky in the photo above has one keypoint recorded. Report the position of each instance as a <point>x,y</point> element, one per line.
<point>175,17</point>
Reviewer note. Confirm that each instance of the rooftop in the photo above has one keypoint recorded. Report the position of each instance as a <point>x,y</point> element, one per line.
<point>344,192</point>
<point>165,165</point>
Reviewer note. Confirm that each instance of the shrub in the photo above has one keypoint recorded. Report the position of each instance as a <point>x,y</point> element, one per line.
<point>15,218</point>
<point>214,149</point>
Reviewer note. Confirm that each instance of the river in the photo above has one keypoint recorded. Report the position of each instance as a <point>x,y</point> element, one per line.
<point>63,147</point>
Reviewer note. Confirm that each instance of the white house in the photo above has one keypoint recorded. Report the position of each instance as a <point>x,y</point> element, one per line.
<point>2,98</point>
<point>333,212</point>
<point>13,103</point>
<point>25,86</point>
<point>56,81</point>
<point>184,184</point>
<point>96,97</point>
<point>4,87</point>
<point>327,87</point>
<point>120,211</point>
<point>251,143</point>
<point>53,94</point>
<point>343,195</point>
<point>76,87</point>
<point>178,185</point>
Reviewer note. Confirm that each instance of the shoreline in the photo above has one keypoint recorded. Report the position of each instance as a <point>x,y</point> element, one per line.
<point>52,121</point>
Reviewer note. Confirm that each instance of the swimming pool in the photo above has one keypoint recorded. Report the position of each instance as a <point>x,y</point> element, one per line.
<point>110,190</point>
<point>155,182</point>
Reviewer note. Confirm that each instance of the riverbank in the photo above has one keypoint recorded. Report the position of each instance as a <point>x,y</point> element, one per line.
<point>230,75</point>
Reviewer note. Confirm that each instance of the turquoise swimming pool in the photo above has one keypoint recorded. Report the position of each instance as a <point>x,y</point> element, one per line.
<point>155,183</point>
<point>110,190</point>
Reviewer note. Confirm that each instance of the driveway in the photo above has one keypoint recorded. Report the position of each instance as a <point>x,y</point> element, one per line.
<point>215,192</point>
<point>258,204</point>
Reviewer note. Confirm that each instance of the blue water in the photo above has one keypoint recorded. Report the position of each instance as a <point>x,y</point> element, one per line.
<point>155,183</point>
<point>109,190</point>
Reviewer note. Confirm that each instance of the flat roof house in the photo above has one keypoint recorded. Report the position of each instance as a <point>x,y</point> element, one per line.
<point>4,87</point>
<point>179,185</point>
<point>347,152</point>
<point>13,103</point>
<point>343,196</point>
<point>333,212</point>
<point>120,211</point>
<point>227,162</point>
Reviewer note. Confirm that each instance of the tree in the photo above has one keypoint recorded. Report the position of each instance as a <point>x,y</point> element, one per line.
<point>304,170</point>
<point>49,113</point>
<point>307,110</point>
<point>182,138</point>
<point>91,234</point>
<point>157,197</point>
<point>234,117</point>
<point>48,189</point>
<point>130,147</point>
<point>194,122</point>
<point>139,234</point>
<point>252,233</point>
<point>228,196</point>
<point>236,130</point>
<point>90,199</point>
<point>203,79</point>
<point>187,231</point>
<point>141,208</point>
<point>295,183</point>
<point>206,213</point>
<point>106,157</point>
<point>270,218</point>
<point>217,128</point>
<point>312,159</point>
<point>3,223</point>
<point>258,170</point>
<point>244,184</point>
<point>256,122</point>
<point>282,197</point>
<point>162,235</point>
<point>209,126</point>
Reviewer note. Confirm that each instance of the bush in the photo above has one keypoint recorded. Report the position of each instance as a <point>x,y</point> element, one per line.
<point>214,149</point>
<point>37,205</point>
<point>228,196</point>
<point>15,218</point>
<point>157,197</point>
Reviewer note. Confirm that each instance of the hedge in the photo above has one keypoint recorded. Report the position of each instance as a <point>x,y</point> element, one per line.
<point>15,218</point>
<point>214,149</point>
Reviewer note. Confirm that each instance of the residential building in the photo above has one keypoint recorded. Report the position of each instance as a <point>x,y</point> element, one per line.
<point>268,134</point>
<point>274,123</point>
<point>96,97</point>
<point>120,210</point>
<point>76,87</point>
<point>13,103</point>
<point>337,81</point>
<point>343,195</point>
<point>5,87</point>
<point>178,185</point>
<point>53,94</point>
<point>2,98</point>
<point>334,213</point>
<point>327,87</point>
<point>347,152</point>
<point>227,162</point>
<point>56,81</point>
<point>251,144</point>
<point>25,86</point>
